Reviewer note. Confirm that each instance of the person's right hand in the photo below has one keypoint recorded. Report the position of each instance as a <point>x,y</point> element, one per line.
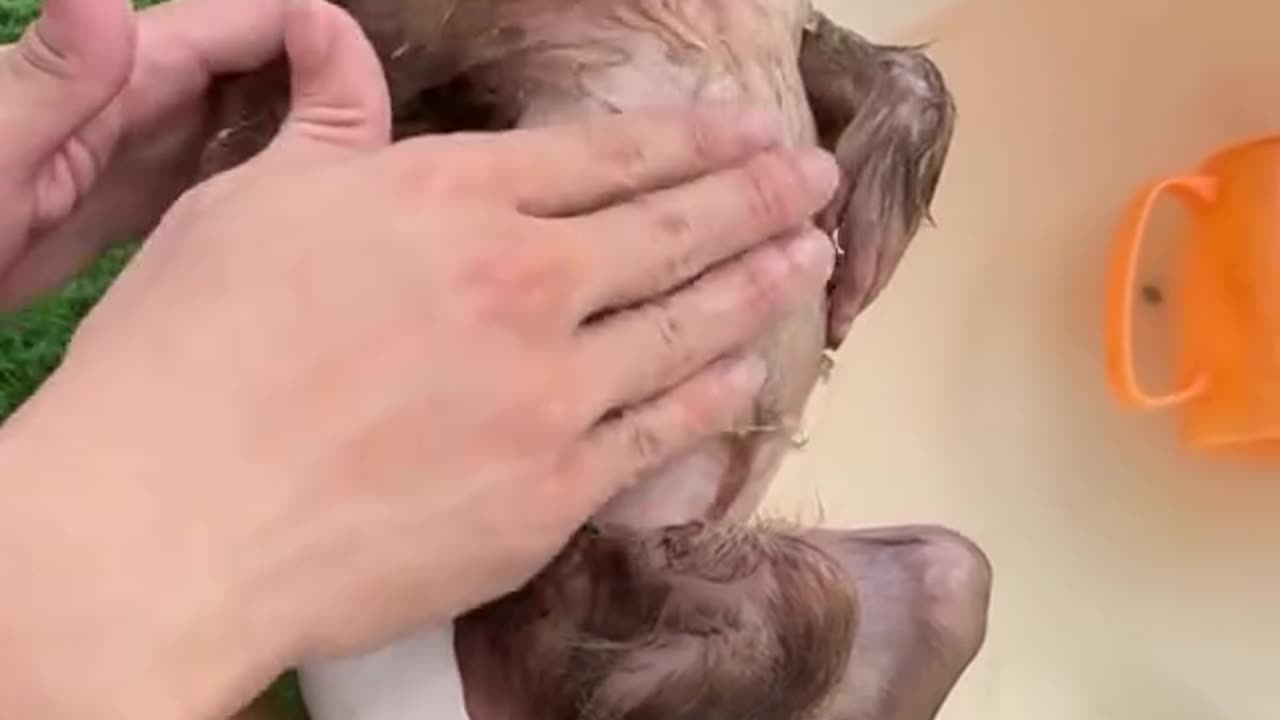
<point>351,387</point>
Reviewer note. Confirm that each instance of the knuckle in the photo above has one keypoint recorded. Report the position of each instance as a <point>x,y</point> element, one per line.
<point>520,285</point>
<point>672,226</point>
<point>669,329</point>
<point>644,443</point>
<point>552,407</point>
<point>424,179</point>
<point>673,231</point>
<point>429,167</point>
<point>702,137</point>
<point>772,182</point>
<point>758,282</point>
<point>37,53</point>
<point>93,72</point>
<point>625,155</point>
<point>675,268</point>
<point>572,405</point>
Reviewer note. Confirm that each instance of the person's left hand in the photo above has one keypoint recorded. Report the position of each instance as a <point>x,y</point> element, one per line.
<point>102,120</point>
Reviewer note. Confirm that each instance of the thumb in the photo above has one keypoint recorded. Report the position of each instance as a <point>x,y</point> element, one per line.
<point>64,70</point>
<point>339,94</point>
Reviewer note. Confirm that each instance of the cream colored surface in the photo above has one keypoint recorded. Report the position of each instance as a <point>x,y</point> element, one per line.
<point>883,16</point>
<point>1132,580</point>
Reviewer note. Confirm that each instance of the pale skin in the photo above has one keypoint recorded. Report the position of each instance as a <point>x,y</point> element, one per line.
<point>350,386</point>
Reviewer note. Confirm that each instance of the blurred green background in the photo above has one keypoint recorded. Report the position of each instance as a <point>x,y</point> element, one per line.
<point>32,341</point>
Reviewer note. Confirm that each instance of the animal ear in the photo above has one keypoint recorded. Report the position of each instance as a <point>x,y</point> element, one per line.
<point>887,115</point>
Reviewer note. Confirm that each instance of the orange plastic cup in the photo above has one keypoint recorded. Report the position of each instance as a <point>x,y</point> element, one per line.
<point>1225,301</point>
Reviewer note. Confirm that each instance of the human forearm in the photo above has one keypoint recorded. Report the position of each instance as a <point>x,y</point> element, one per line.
<point>102,614</point>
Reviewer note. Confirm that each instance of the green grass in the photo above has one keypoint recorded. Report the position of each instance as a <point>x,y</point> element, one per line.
<point>14,15</point>
<point>32,341</point>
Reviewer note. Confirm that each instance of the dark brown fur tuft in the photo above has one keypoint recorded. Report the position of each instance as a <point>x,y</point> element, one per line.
<point>696,622</point>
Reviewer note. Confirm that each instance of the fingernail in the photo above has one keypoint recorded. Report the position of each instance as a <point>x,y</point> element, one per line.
<point>820,169</point>
<point>813,251</point>
<point>747,373</point>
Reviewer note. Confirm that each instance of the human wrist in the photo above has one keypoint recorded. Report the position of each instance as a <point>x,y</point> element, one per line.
<point>100,617</point>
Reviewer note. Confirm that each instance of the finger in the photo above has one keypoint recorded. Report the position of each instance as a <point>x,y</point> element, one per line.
<point>674,336</point>
<point>660,241</point>
<point>42,269</point>
<point>183,45</point>
<point>128,192</point>
<point>224,36</point>
<point>339,96</point>
<point>66,68</point>
<point>625,445</point>
<point>605,159</point>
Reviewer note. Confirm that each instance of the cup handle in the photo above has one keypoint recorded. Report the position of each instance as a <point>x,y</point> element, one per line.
<point>1121,289</point>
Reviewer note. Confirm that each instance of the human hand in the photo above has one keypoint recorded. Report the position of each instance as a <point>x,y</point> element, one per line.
<point>349,387</point>
<point>102,119</point>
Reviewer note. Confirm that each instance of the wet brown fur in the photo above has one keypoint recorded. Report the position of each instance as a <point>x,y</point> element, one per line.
<point>706,619</point>
<point>694,622</point>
